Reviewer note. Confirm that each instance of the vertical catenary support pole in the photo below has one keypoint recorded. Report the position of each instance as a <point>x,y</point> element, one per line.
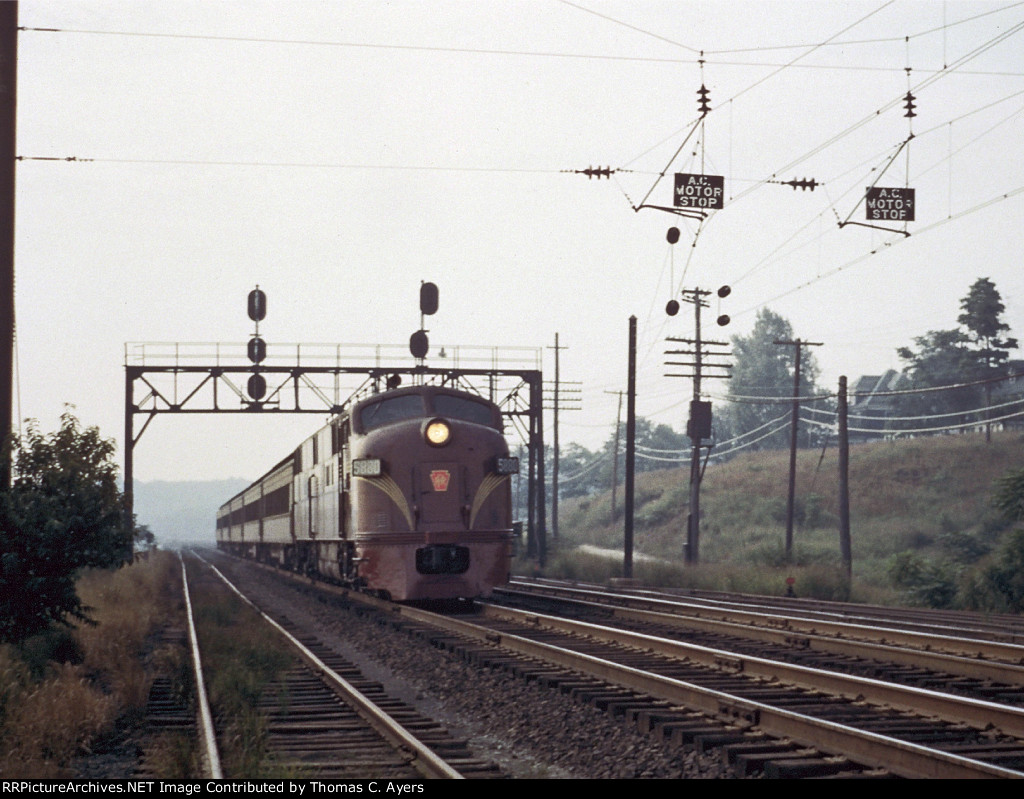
<point>793,428</point>
<point>531,486</point>
<point>627,561</point>
<point>555,453</point>
<point>845,544</point>
<point>537,428</point>
<point>129,456</point>
<point>693,518</point>
<point>8,154</point>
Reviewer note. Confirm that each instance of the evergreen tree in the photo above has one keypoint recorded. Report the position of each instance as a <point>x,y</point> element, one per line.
<point>982,311</point>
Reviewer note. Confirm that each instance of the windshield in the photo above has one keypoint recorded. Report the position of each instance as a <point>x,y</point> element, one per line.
<point>393,409</point>
<point>468,410</point>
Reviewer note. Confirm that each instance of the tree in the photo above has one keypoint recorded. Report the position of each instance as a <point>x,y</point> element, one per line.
<point>62,513</point>
<point>962,355</point>
<point>942,358</point>
<point>982,309</point>
<point>762,368</point>
<point>584,472</point>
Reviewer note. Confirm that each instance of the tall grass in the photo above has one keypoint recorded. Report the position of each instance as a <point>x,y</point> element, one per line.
<point>926,495</point>
<point>64,692</point>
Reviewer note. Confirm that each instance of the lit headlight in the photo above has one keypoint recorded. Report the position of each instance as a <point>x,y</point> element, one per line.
<point>438,433</point>
<point>367,467</point>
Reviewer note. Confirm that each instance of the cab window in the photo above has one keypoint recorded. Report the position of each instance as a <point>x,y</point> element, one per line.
<point>468,410</point>
<point>388,411</point>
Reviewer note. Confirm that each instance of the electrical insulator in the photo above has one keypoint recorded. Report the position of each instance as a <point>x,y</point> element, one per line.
<point>908,103</point>
<point>703,107</point>
<point>803,185</point>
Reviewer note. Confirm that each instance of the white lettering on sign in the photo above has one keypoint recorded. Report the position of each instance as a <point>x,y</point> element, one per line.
<point>699,191</point>
<point>890,204</point>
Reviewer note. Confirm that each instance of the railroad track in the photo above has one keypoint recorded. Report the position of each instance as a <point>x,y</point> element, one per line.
<point>322,718</point>
<point>965,666</point>
<point>762,714</point>
<point>765,715</point>
<point>1003,628</point>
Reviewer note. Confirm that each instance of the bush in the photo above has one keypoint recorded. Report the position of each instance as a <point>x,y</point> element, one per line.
<point>1003,580</point>
<point>1009,495</point>
<point>921,581</point>
<point>62,513</point>
<point>963,547</point>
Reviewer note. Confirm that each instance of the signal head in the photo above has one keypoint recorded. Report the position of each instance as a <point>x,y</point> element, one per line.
<point>428,298</point>
<point>257,387</point>
<point>257,305</point>
<point>419,344</point>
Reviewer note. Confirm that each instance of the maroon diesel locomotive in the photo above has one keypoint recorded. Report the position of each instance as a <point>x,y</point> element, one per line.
<point>407,495</point>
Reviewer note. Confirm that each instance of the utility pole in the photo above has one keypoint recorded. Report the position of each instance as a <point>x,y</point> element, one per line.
<point>793,424</point>
<point>845,545</point>
<point>554,464</point>
<point>627,561</point>
<point>615,454</point>
<point>8,155</point>
<point>555,398</point>
<point>698,427</point>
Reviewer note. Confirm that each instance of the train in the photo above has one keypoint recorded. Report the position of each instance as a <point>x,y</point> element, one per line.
<point>405,494</point>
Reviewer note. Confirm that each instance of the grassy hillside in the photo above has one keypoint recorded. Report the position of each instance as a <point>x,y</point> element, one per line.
<point>929,497</point>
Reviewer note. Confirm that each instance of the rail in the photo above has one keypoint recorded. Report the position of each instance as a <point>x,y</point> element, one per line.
<point>424,759</point>
<point>210,754</point>
<point>900,757</point>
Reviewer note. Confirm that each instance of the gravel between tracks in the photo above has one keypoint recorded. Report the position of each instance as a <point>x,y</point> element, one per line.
<point>528,730</point>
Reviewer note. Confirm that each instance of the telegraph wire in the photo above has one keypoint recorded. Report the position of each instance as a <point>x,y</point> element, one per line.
<point>291,164</point>
<point>890,243</point>
<point>631,27</point>
<point>881,40</point>
<point>357,45</point>
<point>516,53</point>
<point>982,48</point>
<point>770,258</point>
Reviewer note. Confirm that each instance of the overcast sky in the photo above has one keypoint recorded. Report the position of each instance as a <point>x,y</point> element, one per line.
<point>338,153</point>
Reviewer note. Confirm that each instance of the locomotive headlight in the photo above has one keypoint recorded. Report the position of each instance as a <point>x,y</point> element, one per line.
<point>438,433</point>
